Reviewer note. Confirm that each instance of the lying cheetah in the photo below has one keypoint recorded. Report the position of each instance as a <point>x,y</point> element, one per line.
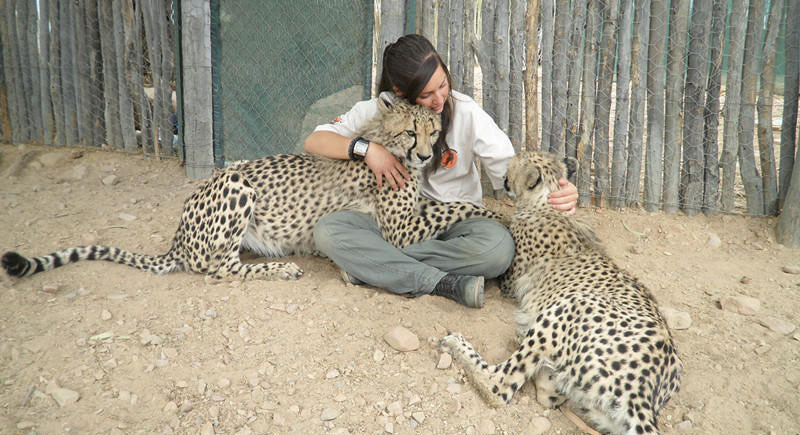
<point>590,333</point>
<point>270,206</point>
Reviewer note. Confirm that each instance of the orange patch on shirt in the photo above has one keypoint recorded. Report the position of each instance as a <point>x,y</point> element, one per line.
<point>449,158</point>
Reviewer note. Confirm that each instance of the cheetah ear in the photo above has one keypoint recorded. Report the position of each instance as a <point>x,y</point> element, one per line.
<point>386,100</point>
<point>572,166</point>
<point>534,178</point>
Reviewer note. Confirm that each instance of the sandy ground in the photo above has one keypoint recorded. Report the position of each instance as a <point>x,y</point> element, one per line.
<point>130,352</point>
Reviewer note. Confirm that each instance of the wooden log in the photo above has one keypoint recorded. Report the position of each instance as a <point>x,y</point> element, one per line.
<point>503,59</point>
<point>605,77</point>
<point>427,26</point>
<point>653,165</point>
<point>532,75</point>
<point>150,14</point>
<point>673,109</point>
<point>641,39</point>
<point>487,58</point>
<point>46,105</point>
<point>31,69</point>
<point>20,125</point>
<point>787,232</point>
<point>443,30</point>
<point>547,20</point>
<point>468,83</point>
<point>142,103</point>
<point>559,78</point>
<point>23,61</point>
<point>619,150</point>
<point>83,88</point>
<point>110,86</point>
<point>584,148</point>
<point>54,65</point>
<point>733,100</point>
<point>712,108</point>
<point>96,103</point>
<point>766,148</point>
<point>392,26</point>
<point>695,89</point>
<point>69,73</point>
<point>121,20</point>
<point>747,165</point>
<point>575,59</point>
<point>791,89</point>
<point>167,70</point>
<point>5,118</point>
<point>516,74</point>
<point>11,131</point>
<point>456,46</point>
<point>196,48</point>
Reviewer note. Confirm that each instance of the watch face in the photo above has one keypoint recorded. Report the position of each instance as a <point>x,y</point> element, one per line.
<point>361,147</point>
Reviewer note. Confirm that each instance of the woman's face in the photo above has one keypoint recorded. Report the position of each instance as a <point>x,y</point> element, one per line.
<point>436,91</point>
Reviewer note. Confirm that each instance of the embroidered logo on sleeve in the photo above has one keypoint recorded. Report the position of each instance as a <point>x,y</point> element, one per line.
<point>337,120</point>
<point>449,158</point>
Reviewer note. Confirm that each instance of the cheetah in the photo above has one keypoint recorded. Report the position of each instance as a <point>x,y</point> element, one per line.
<point>270,205</point>
<point>589,332</point>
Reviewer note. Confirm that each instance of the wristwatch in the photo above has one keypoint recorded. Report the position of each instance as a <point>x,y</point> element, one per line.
<point>358,148</point>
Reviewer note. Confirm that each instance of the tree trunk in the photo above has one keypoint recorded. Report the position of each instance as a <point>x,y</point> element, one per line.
<point>69,73</point>
<point>733,102</point>
<point>121,21</point>
<point>19,118</point>
<point>711,111</point>
<point>55,74</point>
<point>575,58</point>
<point>766,148</point>
<point>653,167</point>
<point>110,85</point>
<point>584,148</point>
<point>167,70</point>
<point>503,62</point>
<point>83,86</point>
<point>31,49</point>
<point>747,165</point>
<point>46,106</point>
<point>468,85</point>
<point>791,88</point>
<point>517,58</point>
<point>559,78</point>
<point>443,32</point>
<point>5,117</point>
<point>23,59</point>
<point>673,110</point>
<point>97,123</point>
<point>641,39</point>
<point>142,103</point>
<point>11,127</point>
<point>602,109</point>
<point>618,164</point>
<point>787,231</point>
<point>487,58</point>
<point>532,75</point>
<point>547,72</point>
<point>696,78</point>
<point>196,48</point>
<point>457,43</point>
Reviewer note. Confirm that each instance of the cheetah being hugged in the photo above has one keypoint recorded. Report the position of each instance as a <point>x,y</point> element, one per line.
<point>590,333</point>
<point>270,206</point>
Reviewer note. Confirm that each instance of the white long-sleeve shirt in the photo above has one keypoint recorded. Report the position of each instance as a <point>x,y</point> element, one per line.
<point>473,136</point>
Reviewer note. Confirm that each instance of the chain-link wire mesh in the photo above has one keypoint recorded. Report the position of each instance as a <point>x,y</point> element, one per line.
<point>88,73</point>
<point>666,104</point>
<point>285,67</point>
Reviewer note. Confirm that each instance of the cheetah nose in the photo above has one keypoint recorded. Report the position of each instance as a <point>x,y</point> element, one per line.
<point>423,157</point>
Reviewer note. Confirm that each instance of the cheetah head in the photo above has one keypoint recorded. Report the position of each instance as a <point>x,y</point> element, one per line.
<point>408,130</point>
<point>532,175</point>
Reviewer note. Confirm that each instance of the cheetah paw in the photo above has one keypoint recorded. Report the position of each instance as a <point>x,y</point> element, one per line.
<point>288,271</point>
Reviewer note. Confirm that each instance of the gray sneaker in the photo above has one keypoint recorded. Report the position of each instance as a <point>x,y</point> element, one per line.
<point>464,289</point>
<point>350,279</point>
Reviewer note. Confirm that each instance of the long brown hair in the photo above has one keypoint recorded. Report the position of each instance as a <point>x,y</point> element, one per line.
<point>408,65</point>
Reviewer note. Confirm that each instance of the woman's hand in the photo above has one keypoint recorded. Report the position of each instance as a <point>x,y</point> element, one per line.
<point>385,165</point>
<point>566,198</point>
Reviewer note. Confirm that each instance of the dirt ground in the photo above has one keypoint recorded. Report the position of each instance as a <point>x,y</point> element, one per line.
<point>129,352</point>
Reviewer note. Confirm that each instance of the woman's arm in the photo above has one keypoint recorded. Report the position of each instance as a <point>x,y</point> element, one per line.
<point>566,198</point>
<point>382,163</point>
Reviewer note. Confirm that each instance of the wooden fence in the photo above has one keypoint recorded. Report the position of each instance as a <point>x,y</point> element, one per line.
<point>634,89</point>
<point>89,72</point>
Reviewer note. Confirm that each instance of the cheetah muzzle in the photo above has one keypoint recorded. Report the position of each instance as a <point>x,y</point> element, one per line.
<point>589,332</point>
<point>270,206</point>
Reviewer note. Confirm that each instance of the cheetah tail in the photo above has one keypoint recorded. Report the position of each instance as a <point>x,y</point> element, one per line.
<point>17,265</point>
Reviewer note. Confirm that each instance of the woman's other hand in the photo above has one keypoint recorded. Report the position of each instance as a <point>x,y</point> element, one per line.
<point>566,198</point>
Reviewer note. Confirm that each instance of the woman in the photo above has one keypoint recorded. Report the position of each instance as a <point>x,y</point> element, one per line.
<point>458,261</point>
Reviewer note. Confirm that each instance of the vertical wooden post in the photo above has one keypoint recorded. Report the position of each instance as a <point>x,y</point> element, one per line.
<point>487,57</point>
<point>641,39</point>
<point>46,106</point>
<point>503,62</point>
<point>517,54</point>
<point>605,78</point>
<point>711,110</point>
<point>559,77</point>
<point>584,147</point>
<point>393,17</point>
<point>547,18</point>
<point>791,89</point>
<point>618,165</point>
<point>659,19</point>
<point>468,83</point>
<point>532,75</point>
<point>457,43</point>
<point>733,101</point>
<point>575,59</point>
<point>196,48</point>
<point>766,149</point>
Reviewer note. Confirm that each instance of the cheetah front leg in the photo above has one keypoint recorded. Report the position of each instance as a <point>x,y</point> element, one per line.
<point>228,233</point>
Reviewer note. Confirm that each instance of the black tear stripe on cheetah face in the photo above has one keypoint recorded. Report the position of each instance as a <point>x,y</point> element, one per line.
<point>270,206</point>
<point>590,333</point>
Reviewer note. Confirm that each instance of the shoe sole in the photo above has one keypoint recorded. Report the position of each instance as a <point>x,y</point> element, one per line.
<point>477,293</point>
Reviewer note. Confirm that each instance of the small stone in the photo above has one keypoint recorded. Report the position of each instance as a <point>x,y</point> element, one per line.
<point>211,314</point>
<point>778,325</point>
<point>684,426</point>
<point>745,280</point>
<point>329,414</point>
<point>124,396</point>
<point>213,412</point>
<point>105,315</point>
<point>418,416</point>
<point>50,288</point>
<point>71,296</point>
<point>110,364</point>
<point>332,374</point>
<point>676,319</point>
<point>377,356</point>
<point>395,409</point>
<point>291,308</point>
<point>744,305</point>
<point>445,361</point>
<point>714,240</point>
<point>402,339</point>
<point>62,396</point>
<point>170,407</point>
<point>224,382</point>
<point>170,352</point>
<point>110,180</point>
<point>127,217</point>
<point>22,425</point>
<point>207,429</point>
<point>186,406</point>
<point>792,269</point>
<point>538,426</point>
<point>454,388</point>
<point>388,427</point>
<point>486,427</point>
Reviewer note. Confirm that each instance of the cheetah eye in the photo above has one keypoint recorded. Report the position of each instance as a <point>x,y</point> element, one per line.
<point>411,133</point>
